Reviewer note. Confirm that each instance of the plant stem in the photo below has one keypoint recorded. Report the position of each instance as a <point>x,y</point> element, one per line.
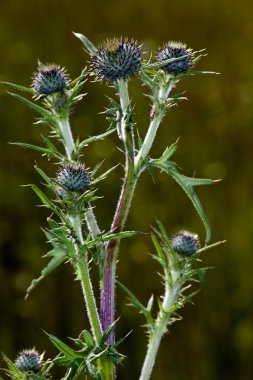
<point>162,320</point>
<point>82,262</point>
<point>133,170</point>
<point>66,133</point>
<point>158,114</point>
<point>123,206</point>
<point>83,273</point>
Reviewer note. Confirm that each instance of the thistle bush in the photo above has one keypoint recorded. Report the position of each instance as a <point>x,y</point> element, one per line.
<point>72,228</point>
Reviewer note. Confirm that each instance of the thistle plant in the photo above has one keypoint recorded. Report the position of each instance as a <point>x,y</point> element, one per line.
<point>73,230</point>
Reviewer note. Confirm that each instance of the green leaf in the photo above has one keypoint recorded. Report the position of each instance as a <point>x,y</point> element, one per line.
<point>104,175</point>
<point>36,148</point>
<point>210,246</point>
<point>169,151</point>
<point>89,47</point>
<point>119,235</point>
<point>136,303</point>
<point>58,258</point>
<point>64,348</point>
<point>46,202</point>
<point>187,184</point>
<point>17,87</point>
<point>46,114</point>
<point>13,371</point>
<point>95,138</point>
<point>87,338</point>
<point>197,72</point>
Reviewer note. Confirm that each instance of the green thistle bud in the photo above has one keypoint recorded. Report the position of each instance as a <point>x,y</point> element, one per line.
<point>185,243</point>
<point>116,59</point>
<point>175,50</point>
<point>29,360</point>
<point>74,177</point>
<point>49,79</point>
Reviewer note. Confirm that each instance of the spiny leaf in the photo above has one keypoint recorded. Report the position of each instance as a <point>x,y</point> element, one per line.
<point>187,185</point>
<point>58,258</point>
<point>95,138</point>
<point>46,114</point>
<point>13,370</point>
<point>90,48</point>
<point>17,87</point>
<point>104,175</point>
<point>136,303</point>
<point>64,348</point>
<point>36,148</point>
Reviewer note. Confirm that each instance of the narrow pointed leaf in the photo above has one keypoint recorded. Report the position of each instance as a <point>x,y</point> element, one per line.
<point>90,48</point>
<point>104,175</point>
<point>35,147</point>
<point>64,348</point>
<point>46,114</point>
<point>95,138</point>
<point>58,258</point>
<point>187,185</point>
<point>17,87</point>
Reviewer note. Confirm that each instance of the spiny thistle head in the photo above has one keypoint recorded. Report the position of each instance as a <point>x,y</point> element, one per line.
<point>29,360</point>
<point>185,243</point>
<point>74,177</point>
<point>175,50</point>
<point>116,59</point>
<point>49,79</point>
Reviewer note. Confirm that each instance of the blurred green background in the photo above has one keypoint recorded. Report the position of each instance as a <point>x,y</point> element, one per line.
<point>215,338</point>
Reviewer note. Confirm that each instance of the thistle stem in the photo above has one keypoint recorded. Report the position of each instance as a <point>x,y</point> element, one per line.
<point>82,262</point>
<point>133,170</point>
<point>67,136</point>
<point>83,273</point>
<point>171,294</point>
<point>122,210</point>
<point>159,110</point>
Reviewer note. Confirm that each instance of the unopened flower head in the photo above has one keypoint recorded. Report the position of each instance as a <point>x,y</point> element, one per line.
<point>175,50</point>
<point>29,360</point>
<point>185,243</point>
<point>74,177</point>
<point>49,79</point>
<point>116,59</point>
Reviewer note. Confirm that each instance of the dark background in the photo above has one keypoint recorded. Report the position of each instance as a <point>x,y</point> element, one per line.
<point>215,338</point>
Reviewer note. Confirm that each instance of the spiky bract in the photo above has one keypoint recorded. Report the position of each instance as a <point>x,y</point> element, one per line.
<point>116,59</point>
<point>185,243</point>
<point>175,50</point>
<point>49,79</point>
<point>74,177</point>
<point>29,360</point>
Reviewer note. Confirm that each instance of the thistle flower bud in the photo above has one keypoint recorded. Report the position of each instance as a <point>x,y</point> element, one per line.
<point>29,360</point>
<point>49,79</point>
<point>116,59</point>
<point>74,177</point>
<point>175,50</point>
<point>185,243</point>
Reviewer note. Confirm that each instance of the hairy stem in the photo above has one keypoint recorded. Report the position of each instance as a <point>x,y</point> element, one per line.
<point>66,133</point>
<point>160,328</point>
<point>82,261</point>
<point>83,274</point>
<point>123,206</point>
<point>133,169</point>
